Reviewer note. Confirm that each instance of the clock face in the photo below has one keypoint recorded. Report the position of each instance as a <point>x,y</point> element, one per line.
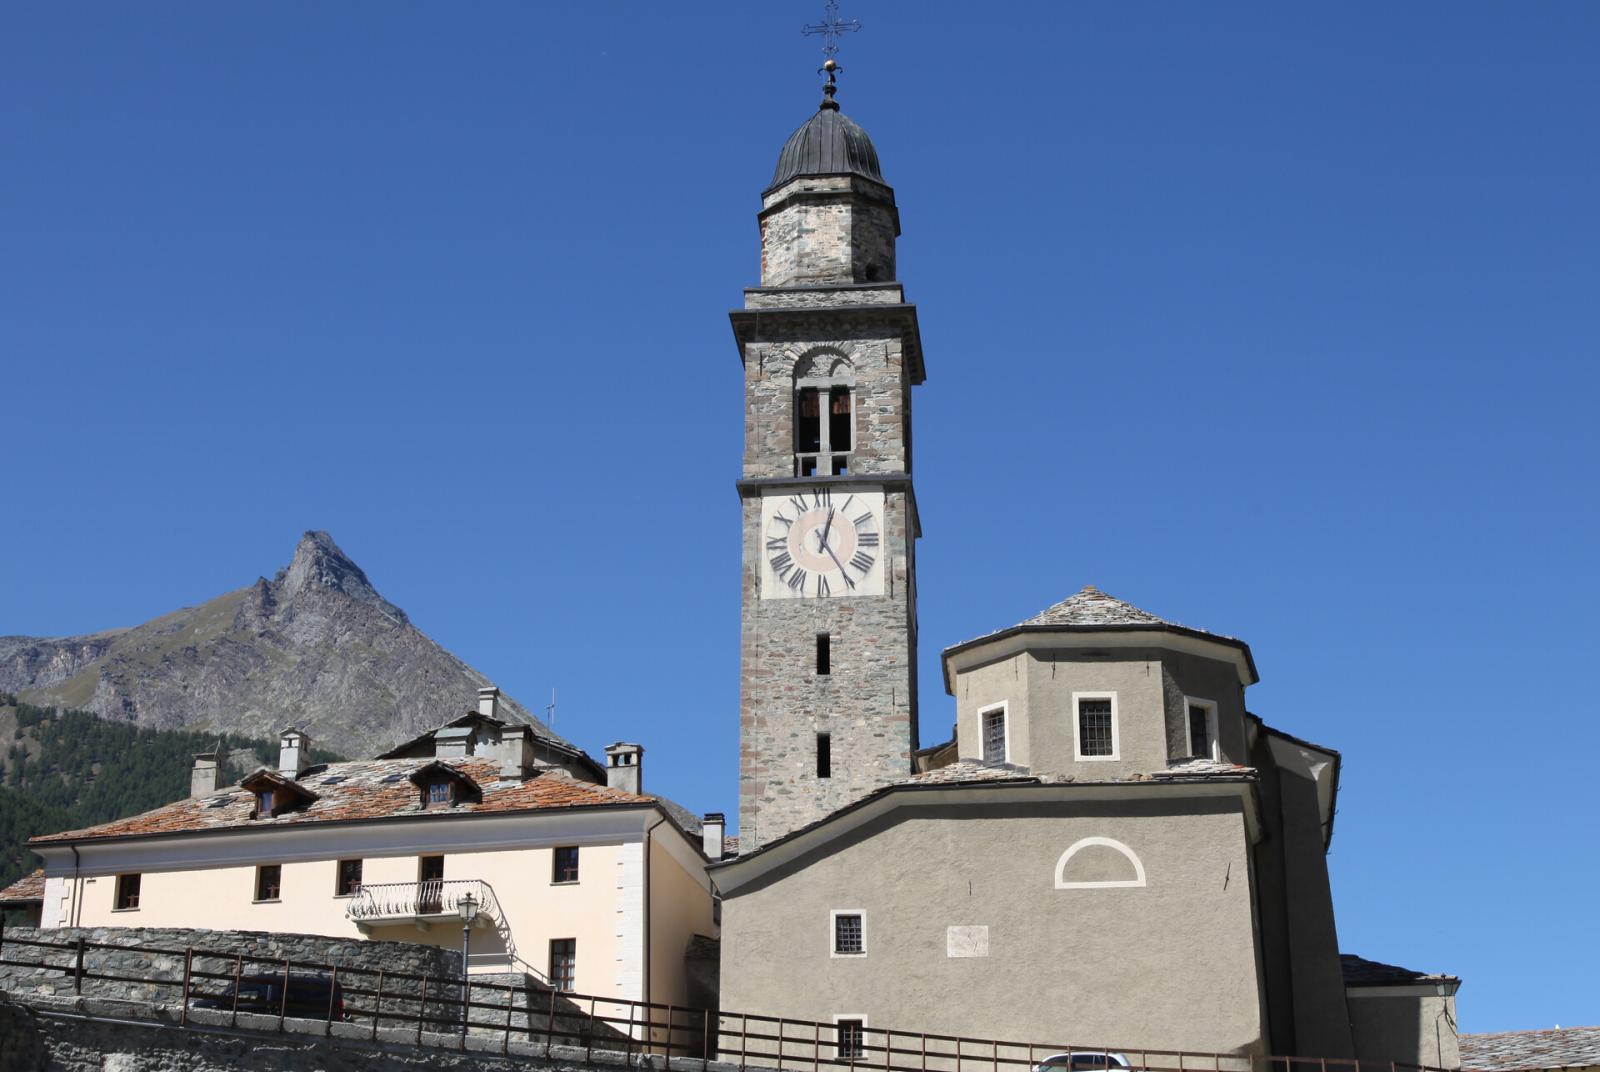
<point>821,542</point>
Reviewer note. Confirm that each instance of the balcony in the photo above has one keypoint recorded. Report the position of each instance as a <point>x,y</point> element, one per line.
<point>421,903</point>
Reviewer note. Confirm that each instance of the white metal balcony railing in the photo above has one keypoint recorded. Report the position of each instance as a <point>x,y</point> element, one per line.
<point>429,900</point>
<point>424,904</point>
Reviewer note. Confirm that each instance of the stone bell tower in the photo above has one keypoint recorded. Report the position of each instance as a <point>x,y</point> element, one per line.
<point>828,686</point>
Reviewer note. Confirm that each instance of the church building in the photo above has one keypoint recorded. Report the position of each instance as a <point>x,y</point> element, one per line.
<point>1113,851</point>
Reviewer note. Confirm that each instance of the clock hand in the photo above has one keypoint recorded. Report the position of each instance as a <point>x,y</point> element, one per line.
<point>826,529</point>
<point>842,571</point>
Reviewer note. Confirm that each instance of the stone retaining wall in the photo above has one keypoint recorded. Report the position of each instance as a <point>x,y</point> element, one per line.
<point>150,963</point>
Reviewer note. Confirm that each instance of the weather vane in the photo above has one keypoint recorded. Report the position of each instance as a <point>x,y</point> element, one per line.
<point>831,28</point>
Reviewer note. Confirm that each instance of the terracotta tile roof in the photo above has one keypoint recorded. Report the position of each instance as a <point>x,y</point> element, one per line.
<point>1358,971</point>
<point>1505,1051</point>
<point>26,889</point>
<point>366,789</point>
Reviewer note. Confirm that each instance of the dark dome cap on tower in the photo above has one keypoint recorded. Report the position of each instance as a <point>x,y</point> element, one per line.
<point>829,143</point>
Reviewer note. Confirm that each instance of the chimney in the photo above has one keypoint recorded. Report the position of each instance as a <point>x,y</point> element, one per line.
<point>453,742</point>
<point>711,828</point>
<point>206,778</point>
<point>294,748</point>
<point>489,702</point>
<point>623,767</point>
<point>515,751</point>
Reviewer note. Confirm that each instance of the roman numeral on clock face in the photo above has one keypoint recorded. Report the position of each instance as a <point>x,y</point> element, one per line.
<point>867,539</point>
<point>782,563</point>
<point>864,519</point>
<point>822,497</point>
<point>797,579</point>
<point>862,561</point>
<point>799,505</point>
<point>822,585</point>
<point>777,543</point>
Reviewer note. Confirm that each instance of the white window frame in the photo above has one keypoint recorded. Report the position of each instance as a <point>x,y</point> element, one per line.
<point>1077,728</point>
<point>833,932</point>
<point>1211,726</point>
<point>838,1055</point>
<point>1005,718</point>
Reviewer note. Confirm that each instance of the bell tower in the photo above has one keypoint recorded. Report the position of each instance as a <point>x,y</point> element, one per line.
<point>828,686</point>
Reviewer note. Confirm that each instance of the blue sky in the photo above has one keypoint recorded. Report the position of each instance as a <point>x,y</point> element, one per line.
<point>1276,320</point>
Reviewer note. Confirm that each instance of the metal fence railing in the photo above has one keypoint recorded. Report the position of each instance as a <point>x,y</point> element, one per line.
<point>237,982</point>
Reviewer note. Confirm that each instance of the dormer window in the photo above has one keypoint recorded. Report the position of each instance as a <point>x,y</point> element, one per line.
<point>442,786</point>
<point>274,794</point>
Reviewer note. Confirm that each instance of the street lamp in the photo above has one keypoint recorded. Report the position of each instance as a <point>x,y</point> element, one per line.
<point>467,909</point>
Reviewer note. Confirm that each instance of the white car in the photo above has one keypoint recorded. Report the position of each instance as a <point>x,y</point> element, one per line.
<point>1083,1061</point>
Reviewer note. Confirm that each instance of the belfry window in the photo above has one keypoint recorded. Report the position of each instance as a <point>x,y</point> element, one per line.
<point>824,430</point>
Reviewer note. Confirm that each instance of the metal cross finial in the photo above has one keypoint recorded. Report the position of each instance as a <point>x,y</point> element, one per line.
<point>831,28</point>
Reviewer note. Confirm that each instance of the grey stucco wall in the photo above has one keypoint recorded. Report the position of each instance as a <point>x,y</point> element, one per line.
<point>1411,1029</point>
<point>1151,685</point>
<point>1169,965</point>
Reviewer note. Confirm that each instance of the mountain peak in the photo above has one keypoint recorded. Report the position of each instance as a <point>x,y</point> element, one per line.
<point>320,565</point>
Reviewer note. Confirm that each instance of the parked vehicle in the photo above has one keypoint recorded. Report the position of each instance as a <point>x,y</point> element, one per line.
<point>1083,1061</point>
<point>311,997</point>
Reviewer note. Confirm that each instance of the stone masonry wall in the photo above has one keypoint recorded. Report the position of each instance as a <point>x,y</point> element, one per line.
<point>877,358</point>
<point>104,1035</point>
<point>828,229</point>
<point>155,957</point>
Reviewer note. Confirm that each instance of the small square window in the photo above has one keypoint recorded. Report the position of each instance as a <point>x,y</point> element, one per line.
<point>563,963</point>
<point>348,882</point>
<point>850,1039</point>
<point>849,934</point>
<point>264,804</point>
<point>127,892</point>
<point>566,864</point>
<point>438,793</point>
<point>269,882</point>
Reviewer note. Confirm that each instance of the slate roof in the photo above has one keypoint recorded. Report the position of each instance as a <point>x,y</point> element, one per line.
<point>363,790</point>
<point>1089,610</point>
<point>1506,1051</point>
<point>25,890</point>
<point>1090,606</point>
<point>1358,971</point>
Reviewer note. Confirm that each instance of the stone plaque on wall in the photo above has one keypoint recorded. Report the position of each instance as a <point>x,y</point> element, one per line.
<point>967,941</point>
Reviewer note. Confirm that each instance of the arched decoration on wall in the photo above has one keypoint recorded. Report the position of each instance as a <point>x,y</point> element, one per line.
<point>1063,882</point>
<point>825,365</point>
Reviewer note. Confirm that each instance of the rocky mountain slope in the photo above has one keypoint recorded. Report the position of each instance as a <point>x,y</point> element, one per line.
<point>316,647</point>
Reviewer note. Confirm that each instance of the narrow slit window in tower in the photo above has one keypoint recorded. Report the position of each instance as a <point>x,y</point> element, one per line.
<point>824,654</point>
<point>824,755</point>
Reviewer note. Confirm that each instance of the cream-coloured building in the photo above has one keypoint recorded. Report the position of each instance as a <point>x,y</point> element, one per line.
<point>597,887</point>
